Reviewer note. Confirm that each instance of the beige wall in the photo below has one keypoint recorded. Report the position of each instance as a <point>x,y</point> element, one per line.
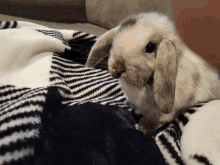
<point>198,21</point>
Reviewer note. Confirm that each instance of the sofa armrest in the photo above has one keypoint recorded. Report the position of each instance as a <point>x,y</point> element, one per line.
<point>63,11</point>
<point>108,13</point>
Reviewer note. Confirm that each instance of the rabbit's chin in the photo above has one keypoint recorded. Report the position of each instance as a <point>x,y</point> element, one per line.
<point>140,96</point>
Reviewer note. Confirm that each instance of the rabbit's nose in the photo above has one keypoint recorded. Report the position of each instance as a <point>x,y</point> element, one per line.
<point>119,68</point>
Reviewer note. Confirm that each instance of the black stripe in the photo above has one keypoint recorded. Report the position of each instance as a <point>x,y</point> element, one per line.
<point>201,159</point>
<point>99,82</point>
<point>100,79</point>
<point>56,78</point>
<point>91,38</point>
<point>81,37</point>
<point>23,92</point>
<point>26,97</point>
<point>15,117</point>
<point>85,72</point>
<point>88,75</point>
<point>170,149</point>
<point>6,25</point>
<point>68,66</point>
<point>9,92</point>
<point>59,57</point>
<point>183,119</point>
<point>75,34</point>
<point>93,91</point>
<point>191,111</point>
<point>26,103</point>
<point>178,128</point>
<point>197,106</point>
<point>175,136</point>
<point>177,131</point>
<point>18,128</point>
<point>15,24</point>
<point>6,86</point>
<point>20,144</point>
<point>163,127</point>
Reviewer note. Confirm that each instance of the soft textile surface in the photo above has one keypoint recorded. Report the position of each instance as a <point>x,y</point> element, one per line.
<point>85,27</point>
<point>34,59</point>
<point>109,13</point>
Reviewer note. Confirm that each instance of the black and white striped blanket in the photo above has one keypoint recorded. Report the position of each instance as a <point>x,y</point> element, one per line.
<point>34,58</point>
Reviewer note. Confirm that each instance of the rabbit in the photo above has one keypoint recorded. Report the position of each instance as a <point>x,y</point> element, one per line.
<point>159,75</point>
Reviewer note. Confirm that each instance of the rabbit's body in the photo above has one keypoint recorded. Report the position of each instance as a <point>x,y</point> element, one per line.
<point>159,74</point>
<point>162,82</point>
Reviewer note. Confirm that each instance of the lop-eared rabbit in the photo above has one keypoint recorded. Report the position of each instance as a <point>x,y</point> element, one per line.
<point>159,74</point>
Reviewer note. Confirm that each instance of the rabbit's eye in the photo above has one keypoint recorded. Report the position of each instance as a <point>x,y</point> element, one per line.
<point>150,48</point>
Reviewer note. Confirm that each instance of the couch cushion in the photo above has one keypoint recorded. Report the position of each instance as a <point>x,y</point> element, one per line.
<point>108,13</point>
<point>84,27</point>
<point>47,10</point>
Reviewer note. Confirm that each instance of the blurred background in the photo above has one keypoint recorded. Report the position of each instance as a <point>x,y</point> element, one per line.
<point>198,22</point>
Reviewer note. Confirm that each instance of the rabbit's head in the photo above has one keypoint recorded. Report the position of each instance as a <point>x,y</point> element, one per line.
<point>145,54</point>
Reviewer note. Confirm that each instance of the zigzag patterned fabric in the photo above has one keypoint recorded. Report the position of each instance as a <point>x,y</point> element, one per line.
<point>21,100</point>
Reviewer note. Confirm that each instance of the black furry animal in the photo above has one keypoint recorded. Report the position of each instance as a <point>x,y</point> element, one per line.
<point>92,134</point>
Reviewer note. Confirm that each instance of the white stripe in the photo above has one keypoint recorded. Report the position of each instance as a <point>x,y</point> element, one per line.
<point>89,36</point>
<point>103,98</point>
<point>107,97</point>
<point>96,92</point>
<point>164,151</point>
<point>172,142</point>
<point>20,103</point>
<point>84,71</point>
<point>17,93</point>
<point>9,156</point>
<point>96,100</point>
<point>19,122</point>
<point>11,24</point>
<point>79,35</point>
<point>9,89</point>
<point>2,24</point>
<point>67,34</point>
<point>111,100</point>
<point>92,79</point>
<point>67,65</point>
<point>58,58</point>
<point>14,94</point>
<point>180,125</point>
<point>14,137</point>
<point>29,108</point>
<point>172,126</point>
<point>188,115</point>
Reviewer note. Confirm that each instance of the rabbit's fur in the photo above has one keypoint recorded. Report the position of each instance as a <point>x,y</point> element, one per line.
<point>161,84</point>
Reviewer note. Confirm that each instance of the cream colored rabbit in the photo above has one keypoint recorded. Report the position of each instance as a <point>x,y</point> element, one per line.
<point>158,73</point>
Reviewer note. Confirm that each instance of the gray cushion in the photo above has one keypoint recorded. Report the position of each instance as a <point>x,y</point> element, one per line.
<point>84,27</point>
<point>108,13</point>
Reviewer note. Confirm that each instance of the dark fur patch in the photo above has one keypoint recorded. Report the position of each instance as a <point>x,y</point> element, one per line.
<point>201,159</point>
<point>128,23</point>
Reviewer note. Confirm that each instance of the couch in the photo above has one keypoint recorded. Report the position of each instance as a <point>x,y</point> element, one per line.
<point>90,16</point>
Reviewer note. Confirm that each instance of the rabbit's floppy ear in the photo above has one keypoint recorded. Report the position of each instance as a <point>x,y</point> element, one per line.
<point>165,74</point>
<point>101,48</point>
